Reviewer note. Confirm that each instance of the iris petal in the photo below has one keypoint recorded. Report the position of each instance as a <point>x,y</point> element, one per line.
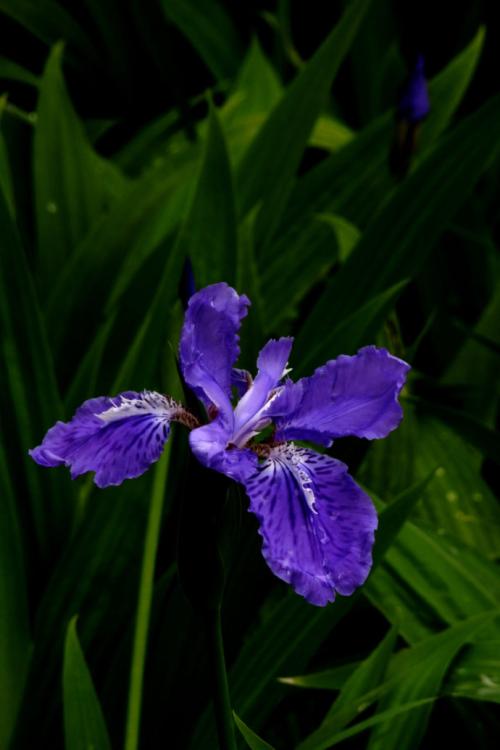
<point>317,525</point>
<point>210,446</point>
<point>117,438</point>
<point>209,344</point>
<point>348,396</point>
<point>271,365</point>
<point>241,380</point>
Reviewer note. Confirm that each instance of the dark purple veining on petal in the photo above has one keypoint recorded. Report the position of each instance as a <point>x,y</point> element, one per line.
<point>117,438</point>
<point>317,525</point>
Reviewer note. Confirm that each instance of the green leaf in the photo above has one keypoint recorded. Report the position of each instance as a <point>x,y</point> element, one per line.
<point>330,134</point>
<point>448,88</point>
<point>73,186</point>
<point>209,235</point>
<point>346,233</point>
<point>373,721</point>
<point>211,32</point>
<point>97,571</point>
<point>139,221</point>
<point>482,438</point>
<point>365,680</point>
<point>413,675</point>
<point>351,332</point>
<point>476,673</point>
<point>329,679</point>
<point>157,137</point>
<point>12,71</point>
<point>6,185</point>
<point>248,282</point>
<point>84,725</point>
<point>368,676</point>
<point>145,599</point>
<point>458,502</point>
<point>399,239</point>
<point>83,385</point>
<point>257,89</point>
<point>427,580</point>
<point>15,638</point>
<point>474,364</point>
<point>31,389</point>
<point>269,165</point>
<point>252,740</point>
<point>418,674</point>
<point>141,359</point>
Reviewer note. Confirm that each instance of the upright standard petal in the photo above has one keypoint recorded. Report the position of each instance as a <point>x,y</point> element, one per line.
<point>117,438</point>
<point>250,413</point>
<point>348,396</point>
<point>209,344</point>
<point>317,524</point>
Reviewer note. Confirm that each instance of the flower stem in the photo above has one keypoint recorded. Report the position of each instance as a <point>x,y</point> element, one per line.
<point>221,699</point>
<point>144,604</point>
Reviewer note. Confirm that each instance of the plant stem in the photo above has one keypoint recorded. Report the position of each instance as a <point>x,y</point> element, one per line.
<point>221,699</point>
<point>144,604</point>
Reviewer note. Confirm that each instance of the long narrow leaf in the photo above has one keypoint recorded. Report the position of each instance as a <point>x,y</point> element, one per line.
<point>73,186</point>
<point>269,165</point>
<point>84,725</point>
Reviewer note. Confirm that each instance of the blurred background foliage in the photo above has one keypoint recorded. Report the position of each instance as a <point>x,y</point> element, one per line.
<point>253,138</point>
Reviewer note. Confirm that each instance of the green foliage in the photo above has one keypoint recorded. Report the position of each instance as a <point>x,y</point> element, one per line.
<point>251,739</point>
<point>73,185</point>
<point>269,165</point>
<point>84,725</point>
<point>277,181</point>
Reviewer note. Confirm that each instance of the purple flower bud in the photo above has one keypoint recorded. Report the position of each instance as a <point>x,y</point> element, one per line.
<point>413,102</point>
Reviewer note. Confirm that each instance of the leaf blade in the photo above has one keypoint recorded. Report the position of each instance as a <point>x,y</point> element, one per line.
<point>84,725</point>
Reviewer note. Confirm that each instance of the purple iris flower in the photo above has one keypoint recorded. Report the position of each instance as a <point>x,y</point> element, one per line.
<point>413,103</point>
<point>316,523</point>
